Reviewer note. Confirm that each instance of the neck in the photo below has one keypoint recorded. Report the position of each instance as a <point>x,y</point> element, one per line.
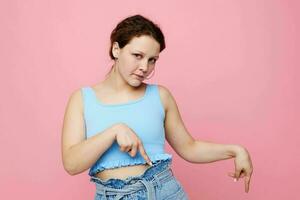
<point>115,82</point>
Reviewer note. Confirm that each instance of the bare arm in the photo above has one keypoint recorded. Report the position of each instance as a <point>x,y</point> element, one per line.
<point>207,152</point>
<point>199,151</point>
<point>78,153</point>
<point>183,143</point>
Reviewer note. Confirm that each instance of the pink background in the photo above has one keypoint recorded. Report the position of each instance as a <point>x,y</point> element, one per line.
<point>231,65</point>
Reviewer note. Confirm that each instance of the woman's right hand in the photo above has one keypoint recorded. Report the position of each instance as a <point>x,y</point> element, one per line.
<point>130,142</point>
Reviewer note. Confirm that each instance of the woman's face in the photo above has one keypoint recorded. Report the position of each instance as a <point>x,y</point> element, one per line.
<point>136,60</point>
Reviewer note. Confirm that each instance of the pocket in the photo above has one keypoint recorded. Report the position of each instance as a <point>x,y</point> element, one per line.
<point>170,189</point>
<point>179,195</point>
<point>98,196</point>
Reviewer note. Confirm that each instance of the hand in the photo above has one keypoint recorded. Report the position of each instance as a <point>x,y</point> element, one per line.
<point>243,167</point>
<point>129,142</point>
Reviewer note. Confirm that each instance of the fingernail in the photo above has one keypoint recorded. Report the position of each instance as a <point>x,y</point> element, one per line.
<point>235,180</point>
<point>151,164</point>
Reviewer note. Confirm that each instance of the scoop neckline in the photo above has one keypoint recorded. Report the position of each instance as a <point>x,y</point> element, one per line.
<point>120,104</point>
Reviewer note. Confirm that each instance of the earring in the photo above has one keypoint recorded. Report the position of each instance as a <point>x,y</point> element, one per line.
<point>152,75</point>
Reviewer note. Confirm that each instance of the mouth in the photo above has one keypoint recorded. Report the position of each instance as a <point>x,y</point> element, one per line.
<point>139,77</point>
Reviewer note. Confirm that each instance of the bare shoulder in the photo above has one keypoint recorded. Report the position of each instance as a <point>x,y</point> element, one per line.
<point>76,100</point>
<point>73,119</point>
<point>73,124</point>
<point>165,95</point>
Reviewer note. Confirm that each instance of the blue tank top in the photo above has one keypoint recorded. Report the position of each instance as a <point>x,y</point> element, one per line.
<point>145,116</point>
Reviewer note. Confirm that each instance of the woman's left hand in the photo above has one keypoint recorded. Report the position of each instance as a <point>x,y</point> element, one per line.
<point>243,167</point>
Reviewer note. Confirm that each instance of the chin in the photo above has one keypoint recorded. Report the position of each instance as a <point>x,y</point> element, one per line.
<point>136,83</point>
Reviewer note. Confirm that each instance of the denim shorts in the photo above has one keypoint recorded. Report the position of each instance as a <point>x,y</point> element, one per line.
<point>156,183</point>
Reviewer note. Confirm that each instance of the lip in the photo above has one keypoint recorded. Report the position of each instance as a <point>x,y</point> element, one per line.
<point>139,77</point>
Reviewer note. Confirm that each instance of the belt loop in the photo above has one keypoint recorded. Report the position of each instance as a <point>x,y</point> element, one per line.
<point>104,193</point>
<point>149,189</point>
<point>156,179</point>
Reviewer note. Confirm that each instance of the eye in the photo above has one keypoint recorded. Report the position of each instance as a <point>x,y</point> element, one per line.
<point>153,60</point>
<point>137,55</point>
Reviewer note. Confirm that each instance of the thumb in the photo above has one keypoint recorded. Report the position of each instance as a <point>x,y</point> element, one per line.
<point>237,174</point>
<point>232,174</point>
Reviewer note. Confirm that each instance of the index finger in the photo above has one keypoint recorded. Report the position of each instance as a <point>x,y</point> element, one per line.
<point>247,182</point>
<point>143,153</point>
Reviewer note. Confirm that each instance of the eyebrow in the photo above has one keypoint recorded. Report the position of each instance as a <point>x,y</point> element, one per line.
<point>144,54</point>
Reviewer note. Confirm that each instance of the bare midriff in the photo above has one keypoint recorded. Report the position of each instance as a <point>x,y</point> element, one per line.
<point>122,172</point>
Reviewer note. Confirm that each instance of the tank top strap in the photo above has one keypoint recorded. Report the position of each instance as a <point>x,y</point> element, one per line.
<point>155,98</point>
<point>88,98</point>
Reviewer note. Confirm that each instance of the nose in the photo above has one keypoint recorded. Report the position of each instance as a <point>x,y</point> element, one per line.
<point>143,66</point>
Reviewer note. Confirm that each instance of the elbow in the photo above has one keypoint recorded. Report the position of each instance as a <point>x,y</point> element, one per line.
<point>69,163</point>
<point>70,167</point>
<point>70,171</point>
<point>187,152</point>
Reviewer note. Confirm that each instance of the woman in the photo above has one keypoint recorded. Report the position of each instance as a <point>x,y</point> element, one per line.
<point>117,128</point>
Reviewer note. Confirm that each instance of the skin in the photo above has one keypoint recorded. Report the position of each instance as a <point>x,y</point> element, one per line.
<point>137,57</point>
<point>122,85</point>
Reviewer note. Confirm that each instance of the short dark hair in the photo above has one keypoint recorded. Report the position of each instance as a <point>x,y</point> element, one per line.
<point>135,26</point>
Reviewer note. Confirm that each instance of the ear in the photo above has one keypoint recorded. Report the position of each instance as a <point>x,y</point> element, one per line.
<point>115,50</point>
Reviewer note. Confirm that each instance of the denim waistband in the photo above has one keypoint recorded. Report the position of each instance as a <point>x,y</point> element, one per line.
<point>155,175</point>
